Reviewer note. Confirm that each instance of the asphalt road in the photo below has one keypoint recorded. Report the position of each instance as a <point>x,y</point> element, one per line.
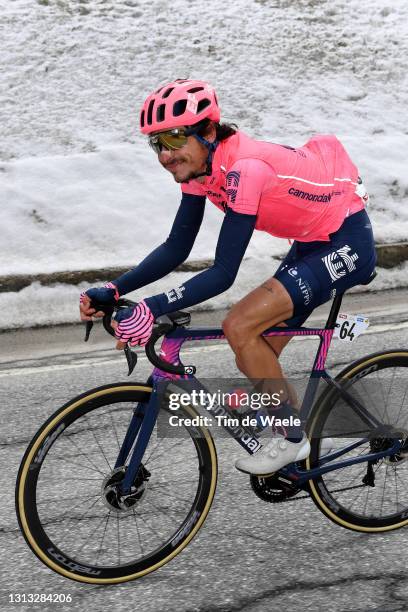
<point>249,555</point>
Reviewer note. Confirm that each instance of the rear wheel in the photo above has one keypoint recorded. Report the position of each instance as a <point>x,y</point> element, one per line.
<point>368,496</point>
<point>66,495</point>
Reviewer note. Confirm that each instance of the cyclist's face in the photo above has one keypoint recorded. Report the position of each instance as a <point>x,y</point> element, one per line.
<point>187,162</point>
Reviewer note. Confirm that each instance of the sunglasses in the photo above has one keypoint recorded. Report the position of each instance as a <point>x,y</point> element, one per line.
<point>170,140</point>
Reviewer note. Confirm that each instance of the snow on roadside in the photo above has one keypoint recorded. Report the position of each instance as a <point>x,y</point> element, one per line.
<point>42,306</point>
<point>95,210</point>
<point>79,187</point>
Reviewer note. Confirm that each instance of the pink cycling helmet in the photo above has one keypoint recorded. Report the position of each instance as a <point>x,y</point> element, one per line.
<point>181,102</point>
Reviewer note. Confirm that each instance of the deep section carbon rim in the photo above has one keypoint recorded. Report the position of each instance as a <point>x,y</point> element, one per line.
<point>66,479</point>
<point>366,496</point>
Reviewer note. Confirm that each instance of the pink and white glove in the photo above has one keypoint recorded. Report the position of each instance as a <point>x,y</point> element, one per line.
<point>135,325</point>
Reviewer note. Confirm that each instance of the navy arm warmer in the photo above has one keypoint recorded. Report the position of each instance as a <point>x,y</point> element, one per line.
<point>171,253</point>
<point>235,234</point>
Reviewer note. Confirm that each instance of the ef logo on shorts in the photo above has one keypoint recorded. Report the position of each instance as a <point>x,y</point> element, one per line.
<point>340,262</point>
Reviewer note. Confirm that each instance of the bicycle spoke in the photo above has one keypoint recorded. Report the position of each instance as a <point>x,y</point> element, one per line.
<point>117,523</point>
<point>80,465</point>
<point>61,517</point>
<point>165,510</point>
<point>187,501</point>
<point>153,450</point>
<point>115,430</point>
<point>99,445</point>
<point>67,499</point>
<point>383,492</point>
<point>391,385</point>
<point>166,450</point>
<point>396,488</point>
<point>103,537</point>
<point>154,532</point>
<point>371,401</point>
<point>91,534</point>
<point>138,532</point>
<point>83,454</point>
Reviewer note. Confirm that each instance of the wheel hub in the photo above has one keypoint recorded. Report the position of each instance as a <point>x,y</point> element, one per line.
<point>382,443</point>
<point>118,502</point>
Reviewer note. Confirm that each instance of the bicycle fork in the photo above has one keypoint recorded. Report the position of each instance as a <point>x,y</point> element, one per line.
<point>140,430</point>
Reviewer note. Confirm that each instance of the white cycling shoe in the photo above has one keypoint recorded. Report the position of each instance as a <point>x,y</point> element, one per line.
<point>326,446</point>
<point>277,453</point>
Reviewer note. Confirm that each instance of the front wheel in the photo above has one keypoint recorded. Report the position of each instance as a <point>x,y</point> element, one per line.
<point>371,496</point>
<point>65,493</point>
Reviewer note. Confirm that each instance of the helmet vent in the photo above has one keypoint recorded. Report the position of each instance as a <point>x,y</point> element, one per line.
<point>160,112</point>
<point>167,92</point>
<point>150,112</point>
<point>203,104</point>
<point>179,107</point>
<point>182,102</point>
<point>195,89</point>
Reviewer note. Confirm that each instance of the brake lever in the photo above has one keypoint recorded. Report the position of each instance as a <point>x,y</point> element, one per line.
<point>131,359</point>
<point>88,328</point>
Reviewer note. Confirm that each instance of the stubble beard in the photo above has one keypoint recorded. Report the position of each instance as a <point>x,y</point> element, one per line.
<point>185,179</point>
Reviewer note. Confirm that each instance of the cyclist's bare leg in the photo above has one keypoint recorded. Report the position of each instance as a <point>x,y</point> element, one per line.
<point>264,307</point>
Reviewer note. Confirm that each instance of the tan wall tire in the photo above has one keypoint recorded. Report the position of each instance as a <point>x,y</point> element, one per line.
<point>55,432</point>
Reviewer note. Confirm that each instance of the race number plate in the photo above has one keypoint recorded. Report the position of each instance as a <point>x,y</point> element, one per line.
<point>349,327</point>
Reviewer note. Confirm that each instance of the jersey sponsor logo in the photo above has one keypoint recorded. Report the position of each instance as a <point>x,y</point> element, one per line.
<point>213,194</point>
<point>305,290</point>
<point>175,294</point>
<point>232,185</point>
<point>303,285</point>
<point>340,262</point>
<point>305,195</point>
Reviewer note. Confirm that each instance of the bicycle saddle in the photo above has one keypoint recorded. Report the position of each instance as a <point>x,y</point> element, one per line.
<point>372,277</point>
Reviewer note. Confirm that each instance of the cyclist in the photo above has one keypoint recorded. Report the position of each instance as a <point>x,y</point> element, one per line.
<point>312,195</point>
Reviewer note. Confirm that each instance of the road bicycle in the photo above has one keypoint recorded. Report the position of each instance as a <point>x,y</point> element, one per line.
<point>103,498</point>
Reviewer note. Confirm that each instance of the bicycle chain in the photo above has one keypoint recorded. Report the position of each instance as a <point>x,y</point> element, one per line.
<point>294,498</point>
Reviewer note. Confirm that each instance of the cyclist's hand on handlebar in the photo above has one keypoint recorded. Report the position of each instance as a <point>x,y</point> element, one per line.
<point>133,325</point>
<point>108,294</point>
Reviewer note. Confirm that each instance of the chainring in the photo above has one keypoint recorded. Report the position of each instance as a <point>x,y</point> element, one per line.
<point>273,489</point>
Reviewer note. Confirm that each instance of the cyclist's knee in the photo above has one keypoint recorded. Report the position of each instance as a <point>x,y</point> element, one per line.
<point>239,364</point>
<point>237,331</point>
<point>275,345</point>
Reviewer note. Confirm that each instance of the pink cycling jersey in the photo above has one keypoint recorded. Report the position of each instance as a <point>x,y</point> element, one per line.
<point>303,194</point>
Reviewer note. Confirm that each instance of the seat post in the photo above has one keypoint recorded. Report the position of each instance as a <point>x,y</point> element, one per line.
<point>334,311</point>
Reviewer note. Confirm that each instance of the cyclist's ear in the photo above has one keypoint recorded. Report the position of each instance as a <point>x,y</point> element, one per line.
<point>209,132</point>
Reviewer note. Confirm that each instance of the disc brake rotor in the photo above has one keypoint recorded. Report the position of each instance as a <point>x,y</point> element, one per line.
<point>116,501</point>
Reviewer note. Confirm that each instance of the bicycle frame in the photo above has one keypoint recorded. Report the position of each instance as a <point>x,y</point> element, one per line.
<point>145,415</point>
